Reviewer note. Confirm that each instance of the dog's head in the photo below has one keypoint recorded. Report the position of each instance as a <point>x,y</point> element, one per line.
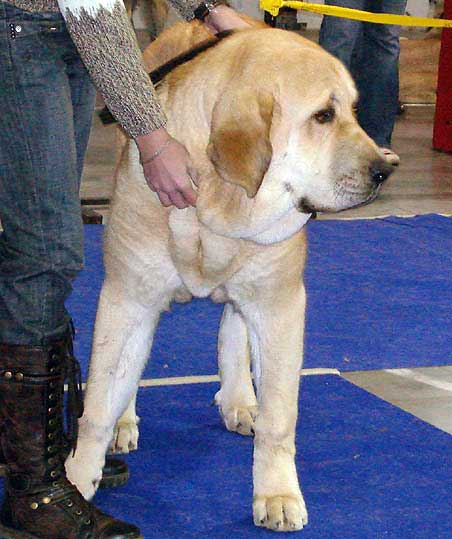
<point>284,129</point>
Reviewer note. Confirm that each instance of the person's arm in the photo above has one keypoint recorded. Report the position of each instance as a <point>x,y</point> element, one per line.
<point>218,15</point>
<point>107,45</point>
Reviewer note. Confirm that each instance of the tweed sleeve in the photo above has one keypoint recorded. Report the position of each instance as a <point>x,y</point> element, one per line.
<point>185,7</point>
<point>107,45</point>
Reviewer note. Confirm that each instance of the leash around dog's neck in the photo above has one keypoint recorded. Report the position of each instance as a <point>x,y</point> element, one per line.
<point>160,73</point>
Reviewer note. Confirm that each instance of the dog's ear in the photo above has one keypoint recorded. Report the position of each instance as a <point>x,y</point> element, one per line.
<point>239,146</point>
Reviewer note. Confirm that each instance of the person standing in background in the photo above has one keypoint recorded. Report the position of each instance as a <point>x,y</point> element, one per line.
<point>371,52</point>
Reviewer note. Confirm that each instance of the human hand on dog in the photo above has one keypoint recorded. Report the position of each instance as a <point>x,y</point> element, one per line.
<point>168,169</point>
<point>224,18</point>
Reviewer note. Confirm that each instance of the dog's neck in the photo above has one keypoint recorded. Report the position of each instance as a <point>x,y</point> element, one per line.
<point>267,218</point>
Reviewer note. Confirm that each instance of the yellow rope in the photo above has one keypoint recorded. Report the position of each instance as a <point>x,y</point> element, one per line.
<point>273,7</point>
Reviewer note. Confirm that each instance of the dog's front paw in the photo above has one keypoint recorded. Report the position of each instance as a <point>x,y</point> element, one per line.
<point>280,513</point>
<point>125,437</point>
<point>85,474</point>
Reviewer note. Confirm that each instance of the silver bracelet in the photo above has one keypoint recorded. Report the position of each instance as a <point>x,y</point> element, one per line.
<point>156,153</point>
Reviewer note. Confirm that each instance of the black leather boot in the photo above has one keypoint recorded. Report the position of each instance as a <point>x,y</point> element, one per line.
<point>40,503</point>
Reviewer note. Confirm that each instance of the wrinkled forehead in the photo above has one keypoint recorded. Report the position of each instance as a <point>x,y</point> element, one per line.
<point>316,80</point>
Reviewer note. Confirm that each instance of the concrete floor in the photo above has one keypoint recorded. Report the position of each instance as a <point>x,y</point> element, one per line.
<point>422,184</point>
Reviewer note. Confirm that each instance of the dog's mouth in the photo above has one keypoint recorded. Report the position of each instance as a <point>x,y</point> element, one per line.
<point>346,201</point>
<point>363,198</point>
<point>367,201</point>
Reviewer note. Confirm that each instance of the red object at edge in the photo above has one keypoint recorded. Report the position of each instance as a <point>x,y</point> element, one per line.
<point>442,128</point>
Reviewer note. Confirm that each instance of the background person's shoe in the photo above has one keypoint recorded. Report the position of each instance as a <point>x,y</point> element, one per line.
<point>391,157</point>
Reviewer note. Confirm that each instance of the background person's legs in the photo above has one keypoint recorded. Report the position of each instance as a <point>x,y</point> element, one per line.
<point>339,36</point>
<point>375,69</point>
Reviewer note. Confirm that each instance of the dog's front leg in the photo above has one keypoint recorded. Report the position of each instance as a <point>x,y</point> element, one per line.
<point>122,341</point>
<point>276,333</point>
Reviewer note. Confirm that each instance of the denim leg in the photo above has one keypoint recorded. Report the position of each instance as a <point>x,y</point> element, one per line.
<point>44,86</point>
<point>376,72</point>
<point>83,95</point>
<point>339,36</point>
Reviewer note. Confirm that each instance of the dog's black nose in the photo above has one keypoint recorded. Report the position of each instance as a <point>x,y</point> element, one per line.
<point>379,171</point>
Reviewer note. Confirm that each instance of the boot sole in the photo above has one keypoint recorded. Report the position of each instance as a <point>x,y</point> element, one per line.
<point>10,533</point>
<point>115,481</point>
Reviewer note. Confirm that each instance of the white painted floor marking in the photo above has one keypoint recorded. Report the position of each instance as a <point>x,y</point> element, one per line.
<point>206,379</point>
<point>184,380</point>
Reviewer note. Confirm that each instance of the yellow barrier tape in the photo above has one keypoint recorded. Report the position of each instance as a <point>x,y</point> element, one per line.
<point>273,7</point>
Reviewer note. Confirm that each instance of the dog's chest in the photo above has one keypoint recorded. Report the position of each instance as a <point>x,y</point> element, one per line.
<point>205,261</point>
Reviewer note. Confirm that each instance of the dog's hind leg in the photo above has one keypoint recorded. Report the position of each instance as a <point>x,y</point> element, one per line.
<point>122,341</point>
<point>125,437</point>
<point>236,399</point>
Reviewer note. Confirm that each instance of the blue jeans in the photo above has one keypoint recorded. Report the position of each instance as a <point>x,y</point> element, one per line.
<point>46,106</point>
<point>371,53</point>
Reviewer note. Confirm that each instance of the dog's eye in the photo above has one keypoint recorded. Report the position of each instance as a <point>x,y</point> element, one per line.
<point>324,116</point>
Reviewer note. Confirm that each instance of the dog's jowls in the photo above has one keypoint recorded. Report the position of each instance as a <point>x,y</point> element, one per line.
<point>268,120</point>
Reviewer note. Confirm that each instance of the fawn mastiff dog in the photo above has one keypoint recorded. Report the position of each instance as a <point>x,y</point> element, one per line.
<point>268,119</point>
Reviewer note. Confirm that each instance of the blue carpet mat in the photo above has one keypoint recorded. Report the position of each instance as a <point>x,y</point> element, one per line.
<point>368,470</point>
<point>379,296</point>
